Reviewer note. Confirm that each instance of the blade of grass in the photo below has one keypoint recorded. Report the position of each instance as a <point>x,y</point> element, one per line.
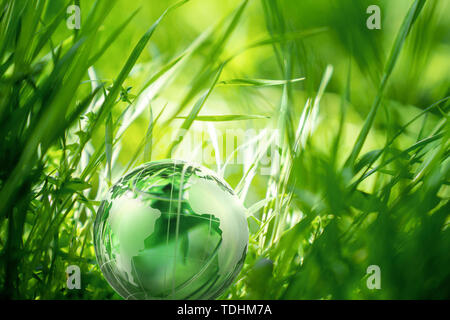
<point>132,59</point>
<point>109,144</point>
<point>187,123</point>
<point>257,82</point>
<point>109,41</point>
<point>221,118</point>
<point>406,26</point>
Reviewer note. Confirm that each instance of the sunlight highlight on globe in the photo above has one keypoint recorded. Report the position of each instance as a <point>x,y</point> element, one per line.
<point>170,230</point>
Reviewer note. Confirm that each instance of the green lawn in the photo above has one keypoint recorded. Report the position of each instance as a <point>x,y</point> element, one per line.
<point>345,164</point>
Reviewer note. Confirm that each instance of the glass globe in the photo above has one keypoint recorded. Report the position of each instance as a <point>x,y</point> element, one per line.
<point>170,230</point>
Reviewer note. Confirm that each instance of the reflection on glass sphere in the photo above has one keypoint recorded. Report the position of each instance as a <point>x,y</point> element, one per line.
<point>170,230</point>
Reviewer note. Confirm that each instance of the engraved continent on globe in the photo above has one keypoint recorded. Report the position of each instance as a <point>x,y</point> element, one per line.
<point>170,230</point>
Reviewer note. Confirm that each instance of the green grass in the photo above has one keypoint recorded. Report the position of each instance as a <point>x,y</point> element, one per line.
<point>363,171</point>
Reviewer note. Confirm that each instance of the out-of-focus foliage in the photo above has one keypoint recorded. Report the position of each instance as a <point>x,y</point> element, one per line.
<point>363,174</point>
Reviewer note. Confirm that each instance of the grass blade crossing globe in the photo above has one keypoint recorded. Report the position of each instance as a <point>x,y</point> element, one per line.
<point>170,230</point>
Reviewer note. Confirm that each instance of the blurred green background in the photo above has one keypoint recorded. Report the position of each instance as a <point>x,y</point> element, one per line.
<point>364,172</point>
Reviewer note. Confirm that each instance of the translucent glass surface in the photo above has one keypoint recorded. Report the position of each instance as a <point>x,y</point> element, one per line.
<point>170,230</point>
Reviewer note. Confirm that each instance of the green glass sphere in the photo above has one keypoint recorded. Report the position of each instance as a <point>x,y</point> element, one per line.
<point>170,230</point>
